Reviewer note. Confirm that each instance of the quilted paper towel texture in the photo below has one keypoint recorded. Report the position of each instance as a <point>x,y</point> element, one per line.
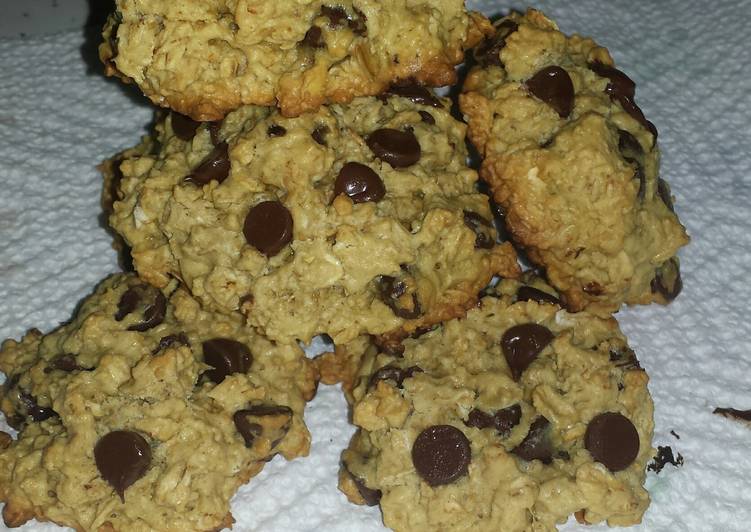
<point>59,118</point>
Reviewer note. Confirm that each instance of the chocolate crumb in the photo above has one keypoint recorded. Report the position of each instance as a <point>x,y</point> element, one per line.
<point>675,434</point>
<point>664,456</point>
<point>732,413</point>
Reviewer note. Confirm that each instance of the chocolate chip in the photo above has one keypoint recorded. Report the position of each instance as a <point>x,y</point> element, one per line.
<point>370,496</point>
<point>489,52</point>
<point>624,357</point>
<point>522,343</point>
<point>358,23</point>
<point>65,362</point>
<point>36,412</point>
<point>553,86</point>
<point>319,134</point>
<point>213,129</point>
<point>612,440</point>
<point>268,227</point>
<point>360,183</point>
<point>215,167</point>
<point>663,458</point>
<point>276,130</point>
<point>392,292</point>
<point>733,413</point>
<point>479,419</point>
<point>663,190</point>
<point>184,126</point>
<point>629,105</point>
<point>483,229</point>
<point>122,457</point>
<point>503,420</point>
<point>593,288</point>
<point>628,145</point>
<point>530,293</point>
<point>227,357</point>
<point>393,373</point>
<point>169,340</point>
<point>415,93</point>
<point>667,280</point>
<point>441,454</point>
<point>147,301</point>
<point>336,15</point>
<point>427,118</point>
<point>271,422</point>
<point>536,444</point>
<point>398,148</point>
<point>313,38</point>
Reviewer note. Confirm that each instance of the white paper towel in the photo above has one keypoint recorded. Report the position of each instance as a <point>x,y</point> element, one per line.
<point>60,117</point>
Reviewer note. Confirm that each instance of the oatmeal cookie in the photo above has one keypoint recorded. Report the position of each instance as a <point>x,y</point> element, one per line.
<point>357,219</point>
<point>574,164</point>
<point>145,412</point>
<point>511,419</point>
<point>204,59</point>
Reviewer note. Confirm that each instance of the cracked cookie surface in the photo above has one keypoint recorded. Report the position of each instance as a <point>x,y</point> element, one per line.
<point>205,59</point>
<point>574,164</point>
<point>357,219</point>
<point>512,419</point>
<point>145,412</point>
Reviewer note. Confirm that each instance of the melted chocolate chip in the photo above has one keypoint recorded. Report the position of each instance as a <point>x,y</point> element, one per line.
<point>358,23</point>
<point>276,130</point>
<point>663,458</point>
<point>184,126</point>
<point>593,288</point>
<point>392,292</point>
<point>227,357</point>
<point>663,190</point>
<point>427,118</point>
<point>398,148</point>
<point>628,145</point>
<point>169,340</point>
<point>36,412</point>
<point>553,86</point>
<point>370,496</point>
<point>148,301</point>
<point>213,129</point>
<point>629,105</point>
<point>122,457</point>
<point>530,293</point>
<point>732,413</point>
<point>624,357</point>
<point>319,134</point>
<point>313,38</point>
<point>360,183</point>
<point>393,373</point>
<point>415,93</point>
<point>268,421</point>
<point>483,229</point>
<point>268,227</point>
<point>65,362</point>
<point>522,343</point>
<point>337,15</point>
<point>489,52</point>
<point>612,440</point>
<point>441,454</point>
<point>503,420</point>
<point>536,444</point>
<point>667,280</point>
<point>215,167</point>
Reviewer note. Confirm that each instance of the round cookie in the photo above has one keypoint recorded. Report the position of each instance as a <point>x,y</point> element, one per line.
<point>145,412</point>
<point>206,59</point>
<point>357,219</point>
<point>511,419</point>
<point>574,164</point>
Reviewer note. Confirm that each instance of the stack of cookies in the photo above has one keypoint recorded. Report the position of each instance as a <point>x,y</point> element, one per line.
<point>304,181</point>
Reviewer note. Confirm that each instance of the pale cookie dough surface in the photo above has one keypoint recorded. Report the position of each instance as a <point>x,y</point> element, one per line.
<point>135,359</point>
<point>205,59</point>
<point>574,165</point>
<point>457,378</point>
<point>417,253</point>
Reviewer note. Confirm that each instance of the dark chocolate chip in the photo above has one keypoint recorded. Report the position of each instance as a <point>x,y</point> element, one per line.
<point>663,190</point>
<point>169,340</point>
<point>215,167</point>
<point>624,357</point>
<point>65,362</point>
<point>628,145</point>
<point>522,343</point>
<point>313,38</point>
<point>530,293</point>
<point>667,280</point>
<point>392,292</point>
<point>184,126</point>
<point>36,412</point>
<point>358,23</point>
<point>536,444</point>
<point>663,458</point>
<point>483,229</point>
<point>276,130</point>
<point>629,105</point>
<point>269,421</point>
<point>360,183</point>
<point>733,413</point>
<point>441,454</point>
<point>553,86</point>
<point>479,419</point>
<point>370,496</point>
<point>398,148</point>
<point>620,84</point>
<point>337,15</point>
<point>507,418</point>
<point>427,118</point>
<point>393,373</point>
<point>122,457</point>
<point>415,93</point>
<point>268,227</point>
<point>489,52</point>
<point>612,440</point>
<point>146,300</point>
<point>227,357</point>
<point>319,134</point>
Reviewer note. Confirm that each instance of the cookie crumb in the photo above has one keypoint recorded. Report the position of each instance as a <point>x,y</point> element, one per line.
<point>744,416</point>
<point>664,456</point>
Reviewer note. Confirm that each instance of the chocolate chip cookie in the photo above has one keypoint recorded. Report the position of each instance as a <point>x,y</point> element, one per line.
<point>511,419</point>
<point>145,412</point>
<point>573,161</point>
<point>206,59</point>
<point>350,220</point>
